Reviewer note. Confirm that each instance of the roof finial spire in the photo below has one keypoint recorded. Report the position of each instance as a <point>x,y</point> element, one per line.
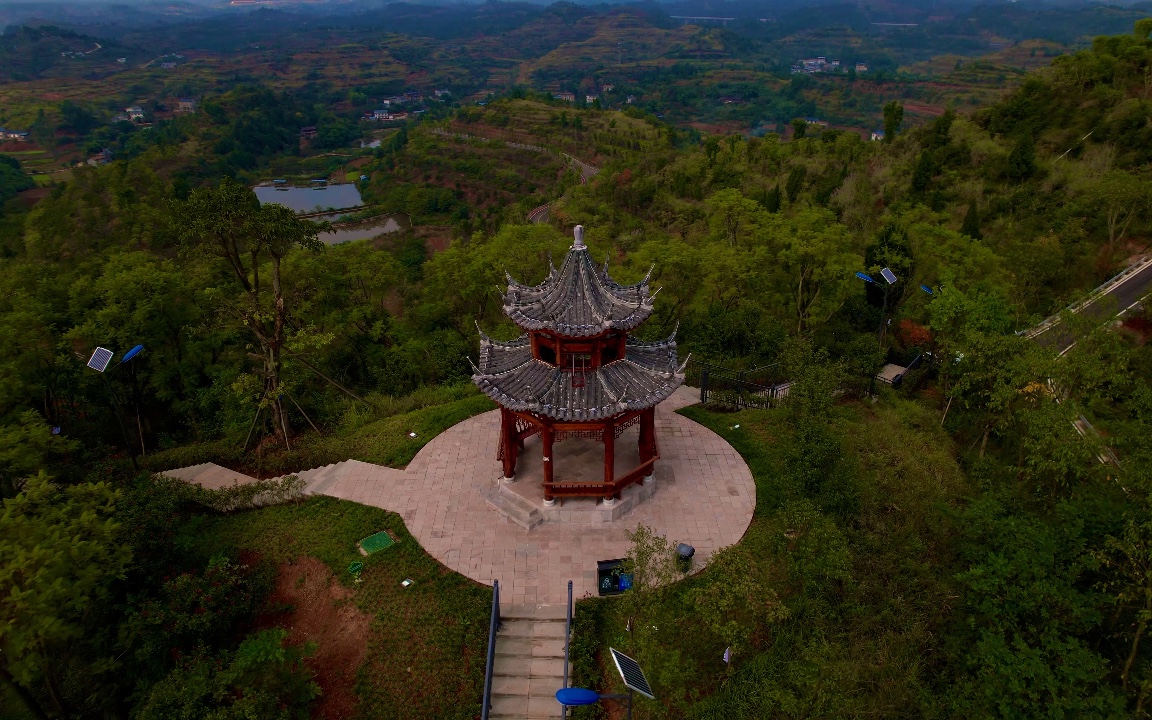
<point>578,231</point>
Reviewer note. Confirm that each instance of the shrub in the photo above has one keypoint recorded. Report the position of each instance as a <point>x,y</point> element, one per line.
<point>263,679</point>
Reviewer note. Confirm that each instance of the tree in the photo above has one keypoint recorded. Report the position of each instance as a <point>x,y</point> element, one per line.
<point>1022,159</point>
<point>735,215</point>
<point>799,128</point>
<point>1121,197</point>
<point>711,148</point>
<point>971,224</point>
<point>795,182</point>
<point>43,131</point>
<point>13,179</point>
<point>228,222</point>
<point>818,257</point>
<point>264,678</point>
<point>1028,613</point>
<point>60,555</point>
<point>25,449</point>
<point>922,175</point>
<point>771,199</point>
<point>734,601</point>
<point>465,281</point>
<point>893,116</point>
<point>77,118</point>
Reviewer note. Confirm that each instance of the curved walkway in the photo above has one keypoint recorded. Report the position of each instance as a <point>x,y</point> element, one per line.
<point>705,497</point>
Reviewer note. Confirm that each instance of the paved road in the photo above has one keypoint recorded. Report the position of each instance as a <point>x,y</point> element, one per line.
<point>539,215</point>
<point>1114,297</point>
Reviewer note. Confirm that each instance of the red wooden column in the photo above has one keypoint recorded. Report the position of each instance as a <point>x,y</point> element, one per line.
<point>647,435</point>
<point>609,457</point>
<point>509,440</point>
<point>546,438</point>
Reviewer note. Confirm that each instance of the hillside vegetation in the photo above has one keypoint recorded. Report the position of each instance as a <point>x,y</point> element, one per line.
<point>953,548</point>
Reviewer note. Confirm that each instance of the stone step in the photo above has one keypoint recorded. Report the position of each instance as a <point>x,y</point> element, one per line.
<point>523,708</point>
<point>515,509</point>
<point>323,480</point>
<point>191,472</point>
<point>526,687</point>
<point>530,646</point>
<point>536,613</point>
<point>550,630</point>
<point>528,667</point>
<point>215,477</point>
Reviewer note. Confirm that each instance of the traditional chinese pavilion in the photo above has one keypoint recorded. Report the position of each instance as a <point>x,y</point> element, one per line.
<point>577,373</point>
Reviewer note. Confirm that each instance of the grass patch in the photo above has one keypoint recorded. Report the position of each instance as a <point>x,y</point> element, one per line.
<point>378,435</point>
<point>42,180</point>
<point>851,534</point>
<point>426,653</point>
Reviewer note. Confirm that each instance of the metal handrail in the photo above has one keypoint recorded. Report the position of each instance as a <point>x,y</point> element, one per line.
<point>567,640</point>
<point>493,627</point>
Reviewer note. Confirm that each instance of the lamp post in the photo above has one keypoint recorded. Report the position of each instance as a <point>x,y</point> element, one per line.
<point>889,281</point>
<point>135,394</point>
<point>99,362</point>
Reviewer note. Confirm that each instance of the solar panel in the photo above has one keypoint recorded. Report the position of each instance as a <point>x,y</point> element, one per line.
<point>889,276</point>
<point>100,359</point>
<point>631,673</point>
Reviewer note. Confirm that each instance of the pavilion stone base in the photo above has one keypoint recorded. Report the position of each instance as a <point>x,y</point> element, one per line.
<point>522,499</point>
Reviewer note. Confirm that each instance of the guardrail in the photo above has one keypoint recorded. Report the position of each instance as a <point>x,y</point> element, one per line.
<point>1092,297</point>
<point>534,214</point>
<point>493,628</point>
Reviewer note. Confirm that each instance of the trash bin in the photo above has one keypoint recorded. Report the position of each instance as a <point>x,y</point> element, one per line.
<point>684,555</point>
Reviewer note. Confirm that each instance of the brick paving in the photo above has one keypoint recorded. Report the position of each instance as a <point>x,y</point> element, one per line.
<point>705,497</point>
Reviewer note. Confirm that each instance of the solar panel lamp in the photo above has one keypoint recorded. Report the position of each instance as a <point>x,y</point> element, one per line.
<point>889,280</point>
<point>630,673</point>
<point>576,697</point>
<point>99,361</point>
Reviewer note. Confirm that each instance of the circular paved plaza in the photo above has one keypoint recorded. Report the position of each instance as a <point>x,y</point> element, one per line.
<point>705,497</point>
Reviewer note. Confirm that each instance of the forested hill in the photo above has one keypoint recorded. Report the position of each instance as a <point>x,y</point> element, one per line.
<point>1094,99</point>
<point>974,543</point>
<point>29,53</point>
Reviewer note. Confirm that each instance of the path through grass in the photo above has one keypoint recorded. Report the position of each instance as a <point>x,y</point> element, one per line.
<point>426,651</point>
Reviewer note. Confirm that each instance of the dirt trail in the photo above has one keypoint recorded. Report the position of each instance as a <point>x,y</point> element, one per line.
<point>322,612</point>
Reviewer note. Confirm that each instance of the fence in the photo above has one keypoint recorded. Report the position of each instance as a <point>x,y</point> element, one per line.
<point>755,388</point>
<point>567,640</point>
<point>493,628</point>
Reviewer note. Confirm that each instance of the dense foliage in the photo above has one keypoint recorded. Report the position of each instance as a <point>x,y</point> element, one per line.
<point>967,547</point>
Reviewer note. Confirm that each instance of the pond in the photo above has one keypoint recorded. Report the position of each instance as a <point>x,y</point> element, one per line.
<point>307,200</point>
<point>364,231</point>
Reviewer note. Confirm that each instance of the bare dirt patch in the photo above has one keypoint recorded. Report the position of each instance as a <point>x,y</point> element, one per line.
<point>321,611</point>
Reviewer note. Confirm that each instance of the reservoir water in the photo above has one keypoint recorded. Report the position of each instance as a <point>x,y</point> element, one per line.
<point>363,231</point>
<point>308,200</point>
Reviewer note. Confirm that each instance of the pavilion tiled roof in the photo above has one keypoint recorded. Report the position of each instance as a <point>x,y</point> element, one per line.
<point>578,300</point>
<point>647,375</point>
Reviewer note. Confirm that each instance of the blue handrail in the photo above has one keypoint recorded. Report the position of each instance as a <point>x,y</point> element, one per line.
<point>567,639</point>
<point>493,627</point>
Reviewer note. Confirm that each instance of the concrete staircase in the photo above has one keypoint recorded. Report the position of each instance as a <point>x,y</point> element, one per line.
<point>529,664</point>
<point>513,507</point>
<point>318,480</point>
<point>209,475</point>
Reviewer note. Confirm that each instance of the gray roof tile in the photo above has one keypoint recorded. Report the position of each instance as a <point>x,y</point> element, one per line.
<point>578,300</point>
